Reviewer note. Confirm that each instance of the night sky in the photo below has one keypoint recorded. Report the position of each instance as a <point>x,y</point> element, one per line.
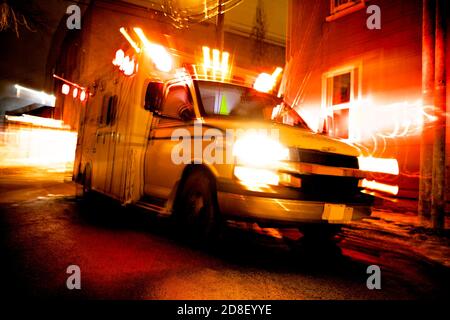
<point>23,60</point>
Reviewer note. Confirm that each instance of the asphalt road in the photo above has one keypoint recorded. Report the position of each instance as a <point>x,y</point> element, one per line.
<point>126,254</point>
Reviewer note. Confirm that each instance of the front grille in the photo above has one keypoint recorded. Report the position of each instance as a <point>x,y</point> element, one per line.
<point>329,185</point>
<point>330,189</point>
<point>326,188</point>
<point>323,158</point>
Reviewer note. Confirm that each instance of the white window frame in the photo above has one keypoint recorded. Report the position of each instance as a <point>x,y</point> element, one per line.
<point>328,108</point>
<point>344,9</point>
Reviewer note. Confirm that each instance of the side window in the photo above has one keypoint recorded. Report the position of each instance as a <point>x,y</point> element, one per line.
<point>109,111</point>
<point>340,89</point>
<point>221,99</point>
<point>340,8</point>
<point>153,96</point>
<point>178,102</point>
<point>339,5</point>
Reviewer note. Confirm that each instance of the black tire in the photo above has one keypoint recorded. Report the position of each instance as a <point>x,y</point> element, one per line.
<point>196,211</point>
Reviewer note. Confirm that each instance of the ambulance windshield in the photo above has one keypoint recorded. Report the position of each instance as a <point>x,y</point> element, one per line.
<point>222,99</point>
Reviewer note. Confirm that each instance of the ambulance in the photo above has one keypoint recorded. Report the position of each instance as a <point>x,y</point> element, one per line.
<point>192,141</point>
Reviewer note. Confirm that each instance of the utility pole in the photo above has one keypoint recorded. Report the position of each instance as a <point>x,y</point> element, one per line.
<point>220,26</point>
<point>259,32</point>
<point>428,69</point>
<point>438,189</point>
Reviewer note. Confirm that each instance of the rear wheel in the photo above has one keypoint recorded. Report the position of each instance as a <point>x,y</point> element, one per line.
<point>196,210</point>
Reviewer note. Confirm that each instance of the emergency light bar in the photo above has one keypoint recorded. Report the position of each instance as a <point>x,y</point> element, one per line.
<point>126,64</point>
<point>218,65</point>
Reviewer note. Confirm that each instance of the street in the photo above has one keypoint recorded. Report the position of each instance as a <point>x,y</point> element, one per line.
<point>126,254</point>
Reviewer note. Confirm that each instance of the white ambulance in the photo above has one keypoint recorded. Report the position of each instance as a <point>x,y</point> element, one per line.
<point>165,139</point>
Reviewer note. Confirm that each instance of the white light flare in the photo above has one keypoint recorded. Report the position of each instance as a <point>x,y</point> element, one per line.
<point>266,82</point>
<point>42,143</point>
<point>225,64</point>
<point>379,165</point>
<point>259,150</point>
<point>159,55</point>
<point>206,60</point>
<point>83,96</point>
<point>255,178</point>
<point>216,66</point>
<point>40,96</point>
<point>216,62</point>
<point>119,58</point>
<point>65,89</point>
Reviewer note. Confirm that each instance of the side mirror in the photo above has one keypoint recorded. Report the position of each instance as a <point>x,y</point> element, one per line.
<point>154,96</point>
<point>186,113</point>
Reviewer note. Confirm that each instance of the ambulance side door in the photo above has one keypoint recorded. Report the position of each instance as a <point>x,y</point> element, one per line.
<point>103,139</point>
<point>160,172</point>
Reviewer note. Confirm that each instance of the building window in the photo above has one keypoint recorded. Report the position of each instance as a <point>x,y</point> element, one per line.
<point>339,8</point>
<point>339,91</point>
<point>341,88</point>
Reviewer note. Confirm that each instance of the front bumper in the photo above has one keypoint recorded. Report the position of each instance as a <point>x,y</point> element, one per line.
<point>278,211</point>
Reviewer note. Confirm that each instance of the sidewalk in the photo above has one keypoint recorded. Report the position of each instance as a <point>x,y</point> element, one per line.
<point>403,205</point>
<point>403,232</point>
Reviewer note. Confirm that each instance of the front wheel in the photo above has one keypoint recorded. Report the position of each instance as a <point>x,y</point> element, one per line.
<point>196,210</point>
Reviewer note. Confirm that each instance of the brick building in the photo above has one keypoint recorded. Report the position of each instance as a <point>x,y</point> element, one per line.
<point>362,84</point>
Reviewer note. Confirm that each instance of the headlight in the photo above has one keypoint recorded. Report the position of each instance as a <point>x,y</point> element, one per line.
<point>257,157</point>
<point>258,150</point>
<point>256,178</point>
<point>380,165</point>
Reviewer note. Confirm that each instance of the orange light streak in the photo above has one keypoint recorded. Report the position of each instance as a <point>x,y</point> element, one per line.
<point>124,32</point>
<point>159,55</point>
<point>377,186</point>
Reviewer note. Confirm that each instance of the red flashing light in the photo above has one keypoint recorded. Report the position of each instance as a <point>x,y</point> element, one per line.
<point>120,56</point>
<point>65,89</point>
<point>83,96</point>
<point>126,64</point>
